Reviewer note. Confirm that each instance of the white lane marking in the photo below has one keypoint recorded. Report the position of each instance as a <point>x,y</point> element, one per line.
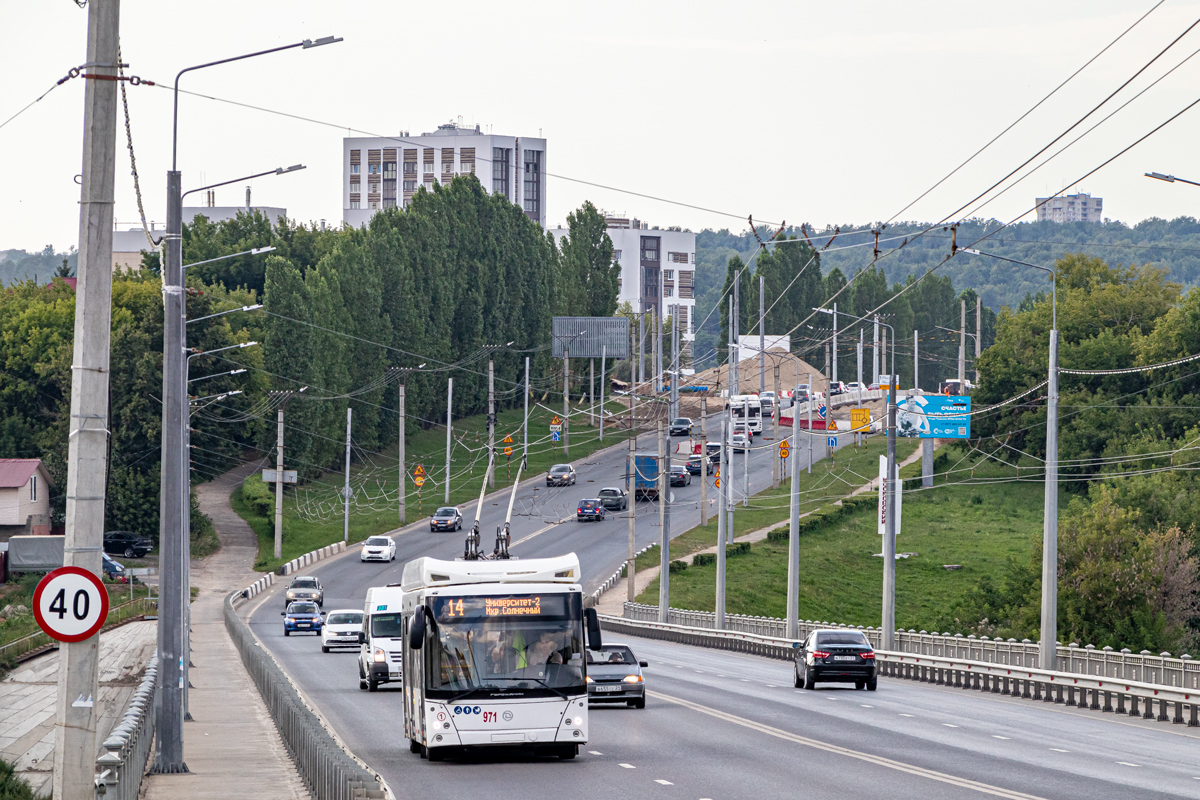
<point>906,715</point>
<point>1057,750</point>
<point>595,752</point>
<point>1005,738</point>
<point>699,672</point>
<point>664,783</point>
<point>772,686</point>
<point>627,766</point>
<point>948,725</point>
<point>828,698</point>
<point>745,680</point>
<point>1128,764</point>
<point>864,705</point>
<point>719,675</point>
<point>538,532</point>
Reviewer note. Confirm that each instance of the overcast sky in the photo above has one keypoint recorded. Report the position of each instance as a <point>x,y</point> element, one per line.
<point>803,111</point>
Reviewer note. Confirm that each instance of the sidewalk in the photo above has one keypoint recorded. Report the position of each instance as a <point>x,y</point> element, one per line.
<point>231,747</point>
<point>612,602</point>
<point>28,696</point>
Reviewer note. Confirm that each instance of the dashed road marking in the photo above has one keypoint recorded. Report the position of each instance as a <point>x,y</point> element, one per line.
<point>595,752</point>
<point>1006,738</point>
<point>1128,764</point>
<point>906,715</point>
<point>864,705</point>
<point>745,680</point>
<point>628,766</point>
<point>948,725</point>
<point>664,783</point>
<point>772,686</point>
<point>1058,750</point>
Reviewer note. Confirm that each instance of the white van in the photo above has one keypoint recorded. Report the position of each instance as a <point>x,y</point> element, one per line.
<point>381,643</point>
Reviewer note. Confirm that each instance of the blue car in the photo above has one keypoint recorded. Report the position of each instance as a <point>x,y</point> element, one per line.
<point>590,509</point>
<point>301,618</point>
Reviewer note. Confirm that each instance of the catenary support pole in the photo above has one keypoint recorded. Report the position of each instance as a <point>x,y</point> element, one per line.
<point>916,362</point>
<point>793,570</point>
<point>978,334</point>
<point>1048,647</point>
<point>835,346</point>
<point>449,432</point>
<point>631,492</point>
<point>591,392</point>
<point>664,487</point>
<point>875,352</point>
<point>491,421</point>
<point>776,464</point>
<point>962,347</point>
<point>400,443</point>
<point>675,362</point>
<point>703,462</point>
<point>525,424</point>
<point>762,336</point>
<point>926,463</point>
<point>641,365</point>
<point>279,485</point>
<point>723,470</point>
<point>87,448</point>
<point>811,399</point>
<point>603,383</point>
<point>566,417</point>
<point>888,622</point>
<point>746,453</point>
<point>346,488</point>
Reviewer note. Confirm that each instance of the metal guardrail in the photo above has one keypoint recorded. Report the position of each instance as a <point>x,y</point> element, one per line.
<point>328,769</point>
<point>17,650</point>
<point>1161,670</point>
<point>1083,691</point>
<point>616,576</point>
<point>119,771</point>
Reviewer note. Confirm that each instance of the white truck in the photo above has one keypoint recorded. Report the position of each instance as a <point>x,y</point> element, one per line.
<point>493,654</point>
<point>380,642</point>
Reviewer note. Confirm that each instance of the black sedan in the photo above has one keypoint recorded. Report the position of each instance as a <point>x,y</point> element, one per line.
<point>696,463</point>
<point>681,426</point>
<point>614,499</point>
<point>680,475</point>
<point>446,519</point>
<point>836,656</point>
<point>614,675</point>
<point>127,543</point>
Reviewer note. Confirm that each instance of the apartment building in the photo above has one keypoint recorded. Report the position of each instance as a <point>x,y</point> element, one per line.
<point>657,268</point>
<point>385,172</point>
<point>129,244</point>
<point>1070,208</point>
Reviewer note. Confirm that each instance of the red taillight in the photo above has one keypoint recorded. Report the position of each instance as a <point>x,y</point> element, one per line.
<point>581,511</point>
<point>867,655</point>
<point>820,654</point>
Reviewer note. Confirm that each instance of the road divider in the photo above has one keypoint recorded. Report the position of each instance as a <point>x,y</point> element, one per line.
<point>259,585</point>
<point>308,559</point>
<point>615,577</point>
<point>120,770</point>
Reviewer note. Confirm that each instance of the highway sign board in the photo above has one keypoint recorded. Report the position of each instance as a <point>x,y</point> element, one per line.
<point>784,449</point>
<point>934,417</point>
<point>832,441</point>
<point>555,421</point>
<point>860,418</point>
<point>70,604</point>
<point>270,476</point>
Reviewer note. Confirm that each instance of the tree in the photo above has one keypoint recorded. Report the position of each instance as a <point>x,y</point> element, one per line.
<point>589,273</point>
<point>65,270</point>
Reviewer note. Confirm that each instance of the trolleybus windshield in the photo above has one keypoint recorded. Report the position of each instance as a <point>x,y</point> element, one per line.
<point>506,646</point>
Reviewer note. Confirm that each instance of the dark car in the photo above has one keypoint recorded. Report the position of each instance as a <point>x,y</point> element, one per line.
<point>615,675</point>
<point>561,475</point>
<point>714,451</point>
<point>614,499</point>
<point>836,656</point>
<point>696,463</point>
<point>681,426</point>
<point>113,569</point>
<point>127,543</point>
<point>446,519</point>
<point>305,589</point>
<point>591,509</point>
<point>299,617</point>
<point>680,475</point>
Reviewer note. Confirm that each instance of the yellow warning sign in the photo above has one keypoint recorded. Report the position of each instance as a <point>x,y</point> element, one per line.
<point>419,472</point>
<point>860,418</point>
<point>419,480</point>
<point>784,449</point>
<point>556,420</point>
<point>508,440</point>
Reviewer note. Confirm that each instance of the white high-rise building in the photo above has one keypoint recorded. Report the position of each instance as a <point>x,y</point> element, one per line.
<point>1070,208</point>
<point>385,172</point>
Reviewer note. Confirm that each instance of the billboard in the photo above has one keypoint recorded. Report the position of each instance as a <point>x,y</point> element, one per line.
<point>590,337</point>
<point>934,417</point>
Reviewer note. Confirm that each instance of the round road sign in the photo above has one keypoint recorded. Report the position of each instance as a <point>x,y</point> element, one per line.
<point>70,604</point>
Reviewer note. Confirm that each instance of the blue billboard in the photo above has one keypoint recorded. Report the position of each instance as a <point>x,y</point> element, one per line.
<point>934,417</point>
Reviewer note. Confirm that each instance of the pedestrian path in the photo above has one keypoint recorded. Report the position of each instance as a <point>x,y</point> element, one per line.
<point>29,693</point>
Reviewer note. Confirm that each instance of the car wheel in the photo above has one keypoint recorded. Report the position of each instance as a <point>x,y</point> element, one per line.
<point>436,754</point>
<point>372,684</point>
<point>129,552</point>
<point>860,685</point>
<point>362,685</point>
<point>797,681</point>
<point>872,684</point>
<point>568,751</point>
<point>459,525</point>
<point>639,703</point>
<point>286,632</point>
<point>324,648</point>
<point>810,678</point>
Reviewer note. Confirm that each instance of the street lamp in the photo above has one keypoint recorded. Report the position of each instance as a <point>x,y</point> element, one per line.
<point>174,502</point>
<point>217,375</point>
<point>1048,647</point>
<point>1169,178</point>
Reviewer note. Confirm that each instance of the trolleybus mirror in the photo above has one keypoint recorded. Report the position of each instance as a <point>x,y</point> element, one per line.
<point>416,631</point>
<point>593,628</point>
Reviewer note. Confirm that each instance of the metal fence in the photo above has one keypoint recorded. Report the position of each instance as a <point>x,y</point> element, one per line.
<point>327,768</point>
<point>1122,665</point>
<point>15,651</point>
<point>120,770</point>
<point>1095,692</point>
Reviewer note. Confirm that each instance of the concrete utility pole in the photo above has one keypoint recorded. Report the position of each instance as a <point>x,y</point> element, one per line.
<point>525,426</point>
<point>346,488</point>
<point>491,421</point>
<point>926,463</point>
<point>978,335</point>
<point>775,459</point>
<point>916,363</point>
<point>660,321</point>
<point>603,380</point>
<point>727,478</point>
<point>736,331</point>
<point>762,337</point>
<point>566,402</point>
<point>400,459</point>
<point>835,350</point>
<point>630,468</point>
<point>449,432</point>
<point>664,521</point>
<point>793,574</point>
<point>889,537</point>
<point>279,485</point>
<point>675,362</point>
<point>746,453</point>
<point>859,435</point>
<point>703,462</point>
<point>722,523</point>
<point>1048,646</point>
<point>591,392</point>
<point>87,449</point>
<point>828,401</point>
<point>811,396</point>
<point>875,352</point>
<point>641,365</point>
<point>962,348</point>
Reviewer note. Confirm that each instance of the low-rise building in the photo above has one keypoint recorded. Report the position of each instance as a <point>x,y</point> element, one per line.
<point>24,497</point>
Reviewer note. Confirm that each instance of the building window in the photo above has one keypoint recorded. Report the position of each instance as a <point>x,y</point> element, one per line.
<point>428,167</point>
<point>669,274</point>
<point>678,258</point>
<point>447,166</point>
<point>410,186</point>
<point>373,169</point>
<point>668,291</point>
<point>649,248</point>
<point>354,169</point>
<point>389,202</point>
<point>354,204</point>
<point>389,170</point>
<point>355,187</point>
<point>468,168</point>
<point>533,184</point>
<point>410,168</point>
<point>616,255</point>
<point>500,167</point>
<point>33,488</point>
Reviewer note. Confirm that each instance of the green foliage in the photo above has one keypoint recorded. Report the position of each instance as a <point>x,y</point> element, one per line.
<point>677,566</point>
<point>258,496</point>
<point>13,787</point>
<point>704,559</point>
<point>17,266</point>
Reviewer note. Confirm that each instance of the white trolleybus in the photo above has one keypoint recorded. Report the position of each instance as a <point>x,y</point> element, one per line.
<point>494,655</point>
<point>747,408</point>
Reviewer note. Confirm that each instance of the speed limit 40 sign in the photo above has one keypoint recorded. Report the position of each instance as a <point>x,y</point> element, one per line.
<point>70,604</point>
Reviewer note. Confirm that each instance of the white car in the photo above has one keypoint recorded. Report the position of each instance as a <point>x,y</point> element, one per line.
<point>341,629</point>
<point>378,548</point>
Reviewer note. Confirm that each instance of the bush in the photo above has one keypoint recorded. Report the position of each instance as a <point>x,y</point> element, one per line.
<point>12,787</point>
<point>778,535</point>
<point>678,566</point>
<point>258,496</point>
<point>737,549</point>
<point>704,559</point>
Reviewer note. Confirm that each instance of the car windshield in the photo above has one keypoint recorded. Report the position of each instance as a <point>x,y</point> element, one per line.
<point>346,618</point>
<point>842,637</point>
<point>446,512</point>
<point>304,583</point>
<point>385,625</point>
<point>610,492</point>
<point>612,654</point>
<point>378,541</point>
<point>302,608</point>
<point>560,470</point>
<point>506,645</point>
<point>682,421</point>
<point>677,468</point>
<point>587,503</point>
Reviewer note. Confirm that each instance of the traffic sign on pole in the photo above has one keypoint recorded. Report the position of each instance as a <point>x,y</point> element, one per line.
<point>555,436</point>
<point>860,418</point>
<point>821,411</point>
<point>784,449</point>
<point>70,604</point>
<point>419,476</point>
<point>832,441</point>
<point>508,451</point>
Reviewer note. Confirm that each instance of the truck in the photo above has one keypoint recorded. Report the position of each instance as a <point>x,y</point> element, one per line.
<point>645,476</point>
<point>35,553</point>
<point>493,655</point>
<point>380,644</point>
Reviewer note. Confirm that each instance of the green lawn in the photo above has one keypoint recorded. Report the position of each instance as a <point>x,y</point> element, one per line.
<point>318,519</point>
<point>831,479</point>
<point>977,526</point>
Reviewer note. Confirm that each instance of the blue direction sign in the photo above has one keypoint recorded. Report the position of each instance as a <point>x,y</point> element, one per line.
<point>833,441</point>
<point>821,412</point>
<point>556,436</point>
<point>934,417</point>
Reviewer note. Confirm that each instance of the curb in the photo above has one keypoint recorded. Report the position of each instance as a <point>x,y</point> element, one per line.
<point>309,558</point>
<point>616,576</point>
<point>259,585</point>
